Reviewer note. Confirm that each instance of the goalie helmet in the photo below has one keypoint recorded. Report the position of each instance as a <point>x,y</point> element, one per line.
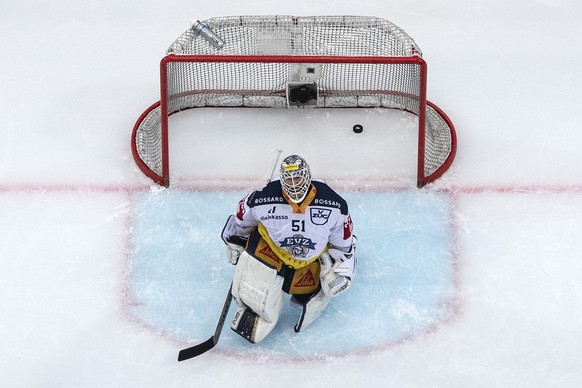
<point>295,177</point>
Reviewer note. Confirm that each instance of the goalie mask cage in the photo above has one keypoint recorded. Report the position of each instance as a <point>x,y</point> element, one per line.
<point>295,62</point>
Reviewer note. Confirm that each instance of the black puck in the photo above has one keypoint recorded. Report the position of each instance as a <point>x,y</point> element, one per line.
<point>358,128</point>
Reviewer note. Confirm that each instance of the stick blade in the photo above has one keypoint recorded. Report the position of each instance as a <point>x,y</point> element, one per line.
<point>196,350</point>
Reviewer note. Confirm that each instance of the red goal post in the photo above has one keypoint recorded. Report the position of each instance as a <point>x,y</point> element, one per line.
<point>295,63</point>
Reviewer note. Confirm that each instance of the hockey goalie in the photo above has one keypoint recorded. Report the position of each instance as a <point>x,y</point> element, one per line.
<point>293,236</point>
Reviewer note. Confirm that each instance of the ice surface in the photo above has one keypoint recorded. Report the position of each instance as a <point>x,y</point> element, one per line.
<point>79,283</point>
<point>406,279</point>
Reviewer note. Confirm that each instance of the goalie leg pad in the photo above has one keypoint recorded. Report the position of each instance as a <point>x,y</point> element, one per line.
<point>244,322</point>
<point>312,310</point>
<point>258,287</point>
<point>250,325</point>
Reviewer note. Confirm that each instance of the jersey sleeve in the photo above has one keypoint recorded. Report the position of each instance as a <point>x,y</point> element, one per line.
<point>245,220</point>
<point>341,233</point>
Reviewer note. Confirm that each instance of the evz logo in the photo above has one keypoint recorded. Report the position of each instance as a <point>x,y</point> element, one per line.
<point>297,245</point>
<point>319,216</point>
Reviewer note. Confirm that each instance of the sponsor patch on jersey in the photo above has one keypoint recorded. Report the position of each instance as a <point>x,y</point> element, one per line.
<point>306,280</point>
<point>327,202</point>
<point>240,209</point>
<point>264,252</point>
<point>319,216</point>
<point>348,226</point>
<point>268,200</point>
<point>274,217</point>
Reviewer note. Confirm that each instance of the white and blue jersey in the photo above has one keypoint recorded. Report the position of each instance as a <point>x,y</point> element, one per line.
<point>297,233</point>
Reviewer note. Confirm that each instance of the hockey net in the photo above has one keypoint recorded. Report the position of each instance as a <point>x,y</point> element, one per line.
<point>295,62</point>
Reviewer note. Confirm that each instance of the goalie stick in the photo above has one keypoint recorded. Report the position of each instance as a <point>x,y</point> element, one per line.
<point>196,350</point>
<point>201,348</point>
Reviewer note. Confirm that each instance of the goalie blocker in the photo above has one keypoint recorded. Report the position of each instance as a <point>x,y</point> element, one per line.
<point>294,236</point>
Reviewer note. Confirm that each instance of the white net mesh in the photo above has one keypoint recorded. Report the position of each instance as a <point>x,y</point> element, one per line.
<point>355,61</point>
<point>357,36</point>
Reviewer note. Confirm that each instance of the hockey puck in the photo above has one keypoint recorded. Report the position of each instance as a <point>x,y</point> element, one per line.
<point>358,128</point>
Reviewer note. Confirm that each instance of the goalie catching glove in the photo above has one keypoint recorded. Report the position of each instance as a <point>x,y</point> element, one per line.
<point>337,270</point>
